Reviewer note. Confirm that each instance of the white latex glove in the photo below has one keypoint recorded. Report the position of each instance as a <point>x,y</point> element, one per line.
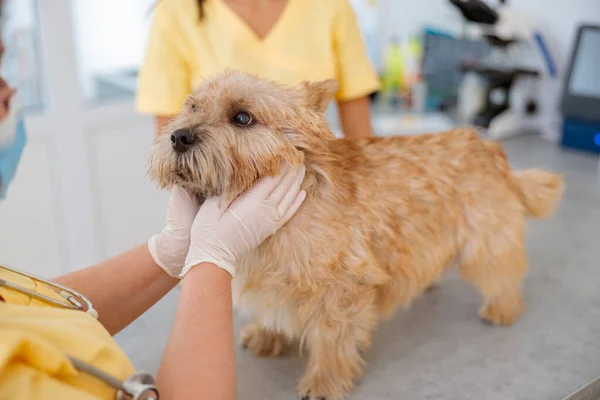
<point>222,235</point>
<point>170,247</point>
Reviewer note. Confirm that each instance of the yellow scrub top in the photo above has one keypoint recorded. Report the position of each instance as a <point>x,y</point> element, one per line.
<point>312,40</point>
<point>36,338</point>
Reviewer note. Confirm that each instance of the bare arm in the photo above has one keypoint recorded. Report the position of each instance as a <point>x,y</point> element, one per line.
<point>161,120</point>
<point>122,288</point>
<point>355,116</point>
<point>199,362</point>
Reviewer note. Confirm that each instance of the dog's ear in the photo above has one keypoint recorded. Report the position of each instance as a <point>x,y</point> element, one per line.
<point>318,94</point>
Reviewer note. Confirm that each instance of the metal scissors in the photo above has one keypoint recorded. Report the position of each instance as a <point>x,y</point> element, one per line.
<point>139,386</point>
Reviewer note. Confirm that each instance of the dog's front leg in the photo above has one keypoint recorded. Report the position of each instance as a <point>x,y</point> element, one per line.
<point>334,343</point>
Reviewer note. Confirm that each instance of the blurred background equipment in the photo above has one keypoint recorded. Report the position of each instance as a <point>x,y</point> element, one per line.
<point>476,11</point>
<point>581,95</point>
<point>443,57</point>
<point>391,77</point>
<point>512,71</point>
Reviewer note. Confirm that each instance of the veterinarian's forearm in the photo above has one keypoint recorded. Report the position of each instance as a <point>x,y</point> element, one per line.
<point>355,116</point>
<point>122,288</point>
<point>199,361</point>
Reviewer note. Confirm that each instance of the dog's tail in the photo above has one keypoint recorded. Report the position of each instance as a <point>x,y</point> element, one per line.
<point>539,190</point>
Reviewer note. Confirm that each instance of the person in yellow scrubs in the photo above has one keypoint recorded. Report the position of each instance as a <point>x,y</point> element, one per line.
<point>288,41</point>
<point>47,347</point>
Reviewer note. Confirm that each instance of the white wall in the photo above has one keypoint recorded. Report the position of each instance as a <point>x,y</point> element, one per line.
<point>403,18</point>
<point>110,35</point>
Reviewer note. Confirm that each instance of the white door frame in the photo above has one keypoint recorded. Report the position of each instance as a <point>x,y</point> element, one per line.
<point>64,121</point>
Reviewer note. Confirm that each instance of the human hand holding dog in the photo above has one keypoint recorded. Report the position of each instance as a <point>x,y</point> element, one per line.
<point>170,247</point>
<point>221,235</point>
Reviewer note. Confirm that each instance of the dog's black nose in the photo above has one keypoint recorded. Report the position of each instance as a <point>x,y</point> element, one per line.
<point>182,139</point>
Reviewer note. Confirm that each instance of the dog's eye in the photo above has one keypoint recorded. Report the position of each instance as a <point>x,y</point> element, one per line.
<point>243,119</point>
<point>194,108</point>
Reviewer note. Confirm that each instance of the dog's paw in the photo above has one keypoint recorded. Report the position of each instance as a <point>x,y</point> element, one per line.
<point>432,287</point>
<point>309,397</point>
<point>262,342</point>
<point>323,388</point>
<point>502,313</point>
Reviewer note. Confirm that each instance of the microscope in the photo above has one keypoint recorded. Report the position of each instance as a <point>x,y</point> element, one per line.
<point>513,71</point>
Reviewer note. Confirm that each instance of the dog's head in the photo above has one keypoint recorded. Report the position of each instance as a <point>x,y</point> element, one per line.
<point>236,128</point>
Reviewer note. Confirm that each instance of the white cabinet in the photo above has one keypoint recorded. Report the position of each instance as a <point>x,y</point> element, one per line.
<point>30,222</point>
<point>129,208</point>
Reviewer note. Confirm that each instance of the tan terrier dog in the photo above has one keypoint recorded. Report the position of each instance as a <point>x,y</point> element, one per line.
<point>382,220</point>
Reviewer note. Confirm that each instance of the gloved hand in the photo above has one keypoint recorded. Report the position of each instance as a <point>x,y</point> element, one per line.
<point>169,247</point>
<point>221,235</point>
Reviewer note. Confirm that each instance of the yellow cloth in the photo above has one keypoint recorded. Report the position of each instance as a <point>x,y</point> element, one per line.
<point>35,340</point>
<point>312,40</point>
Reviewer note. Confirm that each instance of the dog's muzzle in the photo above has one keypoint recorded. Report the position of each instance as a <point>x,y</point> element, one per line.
<point>182,139</point>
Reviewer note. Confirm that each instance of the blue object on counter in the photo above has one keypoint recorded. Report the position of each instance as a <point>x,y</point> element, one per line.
<point>550,64</point>
<point>581,135</point>
<point>581,93</point>
<point>436,32</point>
<point>10,157</point>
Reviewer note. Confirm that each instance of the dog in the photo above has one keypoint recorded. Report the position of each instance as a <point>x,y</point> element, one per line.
<point>382,220</point>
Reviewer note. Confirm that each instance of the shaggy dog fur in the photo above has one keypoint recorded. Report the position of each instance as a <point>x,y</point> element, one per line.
<point>383,218</point>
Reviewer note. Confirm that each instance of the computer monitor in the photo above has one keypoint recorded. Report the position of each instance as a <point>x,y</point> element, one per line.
<point>443,58</point>
<point>581,94</point>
